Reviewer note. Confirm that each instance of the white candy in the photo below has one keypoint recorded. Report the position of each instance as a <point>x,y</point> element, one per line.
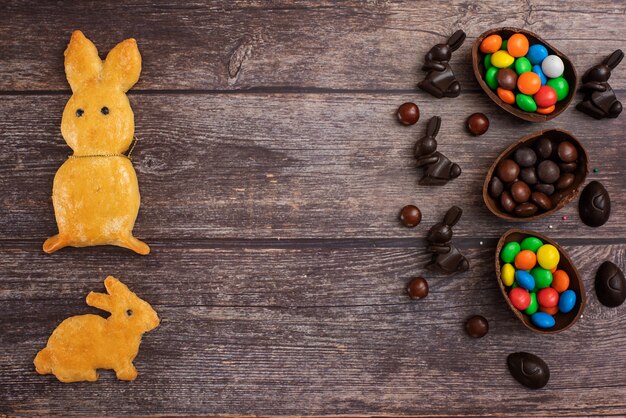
<point>552,66</point>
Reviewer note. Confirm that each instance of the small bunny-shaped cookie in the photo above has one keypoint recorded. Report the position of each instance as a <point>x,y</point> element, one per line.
<point>95,192</point>
<point>438,168</point>
<point>600,100</point>
<point>82,344</point>
<point>446,257</point>
<point>440,80</point>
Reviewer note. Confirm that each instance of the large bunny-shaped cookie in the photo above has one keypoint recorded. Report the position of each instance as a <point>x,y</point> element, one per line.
<point>95,192</point>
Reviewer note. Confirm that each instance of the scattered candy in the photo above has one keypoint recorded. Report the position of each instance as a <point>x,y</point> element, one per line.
<point>408,114</point>
<point>477,123</point>
<point>417,288</point>
<point>477,326</point>
<point>595,170</point>
<point>410,216</point>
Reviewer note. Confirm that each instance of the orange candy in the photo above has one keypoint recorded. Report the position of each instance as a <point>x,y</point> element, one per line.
<point>491,44</point>
<point>507,96</point>
<point>545,110</point>
<point>529,83</point>
<point>517,45</point>
<point>553,269</point>
<point>560,281</point>
<point>552,311</point>
<point>525,260</point>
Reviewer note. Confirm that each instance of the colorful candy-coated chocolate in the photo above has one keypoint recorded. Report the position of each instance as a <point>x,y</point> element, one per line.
<point>531,243</point>
<point>537,53</point>
<point>543,277</point>
<point>567,300</point>
<point>491,44</point>
<point>525,260</point>
<point>525,102</point>
<point>507,273</point>
<point>545,97</point>
<point>520,298</point>
<point>504,44</point>
<point>552,66</point>
<point>507,96</point>
<point>528,83</point>
<point>487,62</point>
<point>548,297</point>
<point>491,78</point>
<point>501,59</point>
<point>533,306</point>
<point>542,320</point>
<point>561,86</point>
<point>509,252</point>
<point>517,45</point>
<point>560,281</point>
<point>537,70</point>
<point>550,311</point>
<point>546,110</point>
<point>525,280</point>
<point>522,65</point>
<point>548,256</point>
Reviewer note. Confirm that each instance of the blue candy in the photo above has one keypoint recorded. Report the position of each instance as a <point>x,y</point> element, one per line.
<point>536,54</point>
<point>542,320</point>
<point>525,280</point>
<point>567,300</point>
<point>537,70</point>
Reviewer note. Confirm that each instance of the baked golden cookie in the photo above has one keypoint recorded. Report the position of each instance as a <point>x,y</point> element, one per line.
<point>82,344</point>
<point>95,192</point>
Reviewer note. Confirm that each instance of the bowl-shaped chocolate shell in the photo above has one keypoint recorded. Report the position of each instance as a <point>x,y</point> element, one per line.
<point>479,72</point>
<point>564,196</point>
<point>563,320</point>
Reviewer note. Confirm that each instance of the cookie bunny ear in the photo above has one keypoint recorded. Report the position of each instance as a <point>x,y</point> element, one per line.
<point>614,59</point>
<point>433,126</point>
<point>100,301</point>
<point>114,287</point>
<point>452,216</point>
<point>82,63</point>
<point>123,65</point>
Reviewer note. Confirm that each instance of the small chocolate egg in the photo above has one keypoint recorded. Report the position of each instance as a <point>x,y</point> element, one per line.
<point>528,369</point>
<point>610,285</point>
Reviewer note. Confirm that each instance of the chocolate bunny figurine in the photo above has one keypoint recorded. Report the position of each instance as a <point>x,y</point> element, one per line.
<point>440,80</point>
<point>446,257</point>
<point>600,100</point>
<point>438,168</point>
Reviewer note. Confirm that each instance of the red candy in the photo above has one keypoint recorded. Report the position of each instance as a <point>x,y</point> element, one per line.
<point>545,97</point>
<point>548,297</point>
<point>520,298</point>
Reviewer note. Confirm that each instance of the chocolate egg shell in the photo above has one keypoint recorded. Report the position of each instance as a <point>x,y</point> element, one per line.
<point>532,141</point>
<point>479,72</point>
<point>528,369</point>
<point>610,285</point>
<point>563,320</point>
<point>594,205</point>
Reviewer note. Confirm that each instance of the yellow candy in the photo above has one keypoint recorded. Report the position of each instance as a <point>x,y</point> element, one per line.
<point>507,274</point>
<point>501,59</point>
<point>548,256</point>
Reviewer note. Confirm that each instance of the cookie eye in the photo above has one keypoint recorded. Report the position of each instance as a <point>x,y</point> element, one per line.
<point>104,110</point>
<point>129,312</point>
<point>79,112</point>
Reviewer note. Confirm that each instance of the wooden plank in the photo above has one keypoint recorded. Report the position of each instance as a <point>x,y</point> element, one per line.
<point>322,330</point>
<point>233,45</point>
<point>284,166</point>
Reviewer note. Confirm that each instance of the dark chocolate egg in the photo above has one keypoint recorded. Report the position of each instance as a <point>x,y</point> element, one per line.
<point>610,285</point>
<point>594,205</point>
<point>528,369</point>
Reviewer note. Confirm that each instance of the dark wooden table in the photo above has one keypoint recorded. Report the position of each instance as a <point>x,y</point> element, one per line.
<point>271,172</point>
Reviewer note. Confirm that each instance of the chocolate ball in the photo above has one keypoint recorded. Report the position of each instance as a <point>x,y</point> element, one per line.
<point>495,187</point>
<point>546,189</point>
<point>567,152</point>
<point>528,175</point>
<point>417,288</point>
<point>525,157</point>
<point>507,78</point>
<point>408,114</point>
<point>477,326</point>
<point>477,123</point>
<point>568,167</point>
<point>541,200</point>
<point>544,147</point>
<point>548,171</point>
<point>507,170</point>
<point>507,202</point>
<point>410,216</point>
<point>565,181</point>
<point>524,210</point>
<point>520,192</point>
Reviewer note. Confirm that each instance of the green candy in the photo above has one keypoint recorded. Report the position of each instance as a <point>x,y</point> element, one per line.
<point>534,306</point>
<point>561,86</point>
<point>490,78</point>
<point>526,103</point>
<point>487,62</point>
<point>531,243</point>
<point>522,65</point>
<point>504,44</point>
<point>543,277</point>
<point>514,285</point>
<point>509,252</point>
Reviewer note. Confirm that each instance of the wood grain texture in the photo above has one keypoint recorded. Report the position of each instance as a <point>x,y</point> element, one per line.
<point>272,172</point>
